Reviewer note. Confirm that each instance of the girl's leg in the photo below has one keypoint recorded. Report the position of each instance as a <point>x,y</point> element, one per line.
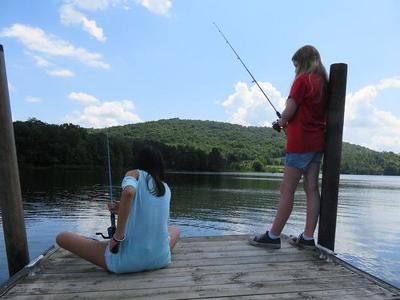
<point>88,249</point>
<point>310,182</point>
<point>174,236</point>
<point>291,178</point>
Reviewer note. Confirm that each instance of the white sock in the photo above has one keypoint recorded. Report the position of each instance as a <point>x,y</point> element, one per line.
<point>272,236</point>
<point>307,238</point>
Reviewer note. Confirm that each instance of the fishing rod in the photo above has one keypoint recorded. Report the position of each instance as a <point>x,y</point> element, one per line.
<point>112,228</point>
<point>275,124</point>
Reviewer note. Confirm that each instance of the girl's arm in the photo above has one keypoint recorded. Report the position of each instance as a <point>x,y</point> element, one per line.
<point>288,112</point>
<point>127,196</point>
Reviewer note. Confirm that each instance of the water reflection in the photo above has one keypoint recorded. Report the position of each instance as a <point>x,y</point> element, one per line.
<point>368,225</point>
<point>217,204</point>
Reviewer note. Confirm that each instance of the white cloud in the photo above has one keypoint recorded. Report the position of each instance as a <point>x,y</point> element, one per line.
<point>41,62</point>
<point>71,12</point>
<point>36,39</point>
<point>32,99</point>
<point>361,102</point>
<point>93,5</point>
<point>99,114</point>
<point>248,106</point>
<point>50,68</point>
<point>388,83</point>
<point>61,73</point>
<point>70,16</point>
<point>160,7</point>
<point>83,98</point>
<point>91,27</point>
<point>367,125</point>
<point>105,114</point>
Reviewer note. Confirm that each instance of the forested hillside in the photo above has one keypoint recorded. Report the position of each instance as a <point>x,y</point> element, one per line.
<point>187,145</point>
<point>242,143</point>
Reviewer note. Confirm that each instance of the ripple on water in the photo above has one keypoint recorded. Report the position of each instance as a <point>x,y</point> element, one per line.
<point>367,224</point>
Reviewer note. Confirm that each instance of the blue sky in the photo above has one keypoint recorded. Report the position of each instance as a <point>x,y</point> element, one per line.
<point>109,62</point>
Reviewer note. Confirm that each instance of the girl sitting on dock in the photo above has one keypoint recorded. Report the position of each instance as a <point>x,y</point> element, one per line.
<point>304,119</point>
<point>142,240</point>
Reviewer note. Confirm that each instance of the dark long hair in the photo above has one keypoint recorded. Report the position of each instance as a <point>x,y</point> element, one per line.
<point>149,159</point>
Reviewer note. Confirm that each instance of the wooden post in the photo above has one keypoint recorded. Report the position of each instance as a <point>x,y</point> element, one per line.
<point>10,191</point>
<point>333,152</point>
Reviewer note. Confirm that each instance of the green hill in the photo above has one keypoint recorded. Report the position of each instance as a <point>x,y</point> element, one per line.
<point>246,143</point>
<point>187,145</point>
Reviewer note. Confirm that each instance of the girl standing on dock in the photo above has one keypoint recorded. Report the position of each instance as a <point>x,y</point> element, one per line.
<point>142,240</point>
<point>304,118</point>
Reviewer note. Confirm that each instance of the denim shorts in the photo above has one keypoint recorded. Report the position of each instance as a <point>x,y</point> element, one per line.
<point>303,160</point>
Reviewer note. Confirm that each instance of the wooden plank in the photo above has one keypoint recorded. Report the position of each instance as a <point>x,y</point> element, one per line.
<point>162,273</point>
<point>211,250</point>
<point>206,268</point>
<point>181,254</point>
<point>29,269</point>
<point>372,278</point>
<point>199,247</point>
<point>65,266</point>
<point>215,290</point>
<point>342,294</point>
<point>371,293</point>
<point>117,283</point>
<point>215,238</point>
<point>189,272</point>
<point>221,244</point>
<point>224,253</point>
<point>240,239</point>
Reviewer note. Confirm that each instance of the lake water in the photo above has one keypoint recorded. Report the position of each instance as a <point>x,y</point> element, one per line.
<point>368,224</point>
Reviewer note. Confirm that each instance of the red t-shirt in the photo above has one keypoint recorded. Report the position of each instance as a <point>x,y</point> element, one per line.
<point>306,130</point>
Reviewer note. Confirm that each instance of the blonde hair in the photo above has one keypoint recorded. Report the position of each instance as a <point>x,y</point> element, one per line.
<point>309,61</point>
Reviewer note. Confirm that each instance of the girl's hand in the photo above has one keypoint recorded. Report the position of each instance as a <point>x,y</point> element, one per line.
<point>114,245</point>
<point>282,123</point>
<point>113,207</point>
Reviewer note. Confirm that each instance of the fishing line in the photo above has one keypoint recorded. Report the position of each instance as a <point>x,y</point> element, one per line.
<point>275,125</point>
<point>112,228</point>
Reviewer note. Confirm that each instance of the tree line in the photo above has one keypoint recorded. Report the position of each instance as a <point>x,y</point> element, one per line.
<point>187,145</point>
<point>42,145</point>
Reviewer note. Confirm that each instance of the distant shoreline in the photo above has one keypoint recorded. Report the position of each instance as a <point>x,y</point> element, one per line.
<point>186,145</point>
<point>99,168</point>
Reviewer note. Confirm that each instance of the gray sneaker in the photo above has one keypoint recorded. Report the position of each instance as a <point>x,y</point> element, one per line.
<point>263,240</point>
<point>301,242</point>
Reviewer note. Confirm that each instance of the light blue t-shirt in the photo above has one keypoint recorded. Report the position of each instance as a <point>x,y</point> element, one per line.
<point>146,244</point>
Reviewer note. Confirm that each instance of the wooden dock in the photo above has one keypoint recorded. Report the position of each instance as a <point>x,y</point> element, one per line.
<point>225,267</point>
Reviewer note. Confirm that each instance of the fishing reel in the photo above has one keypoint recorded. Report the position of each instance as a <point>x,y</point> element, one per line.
<point>276,126</point>
<point>110,232</point>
